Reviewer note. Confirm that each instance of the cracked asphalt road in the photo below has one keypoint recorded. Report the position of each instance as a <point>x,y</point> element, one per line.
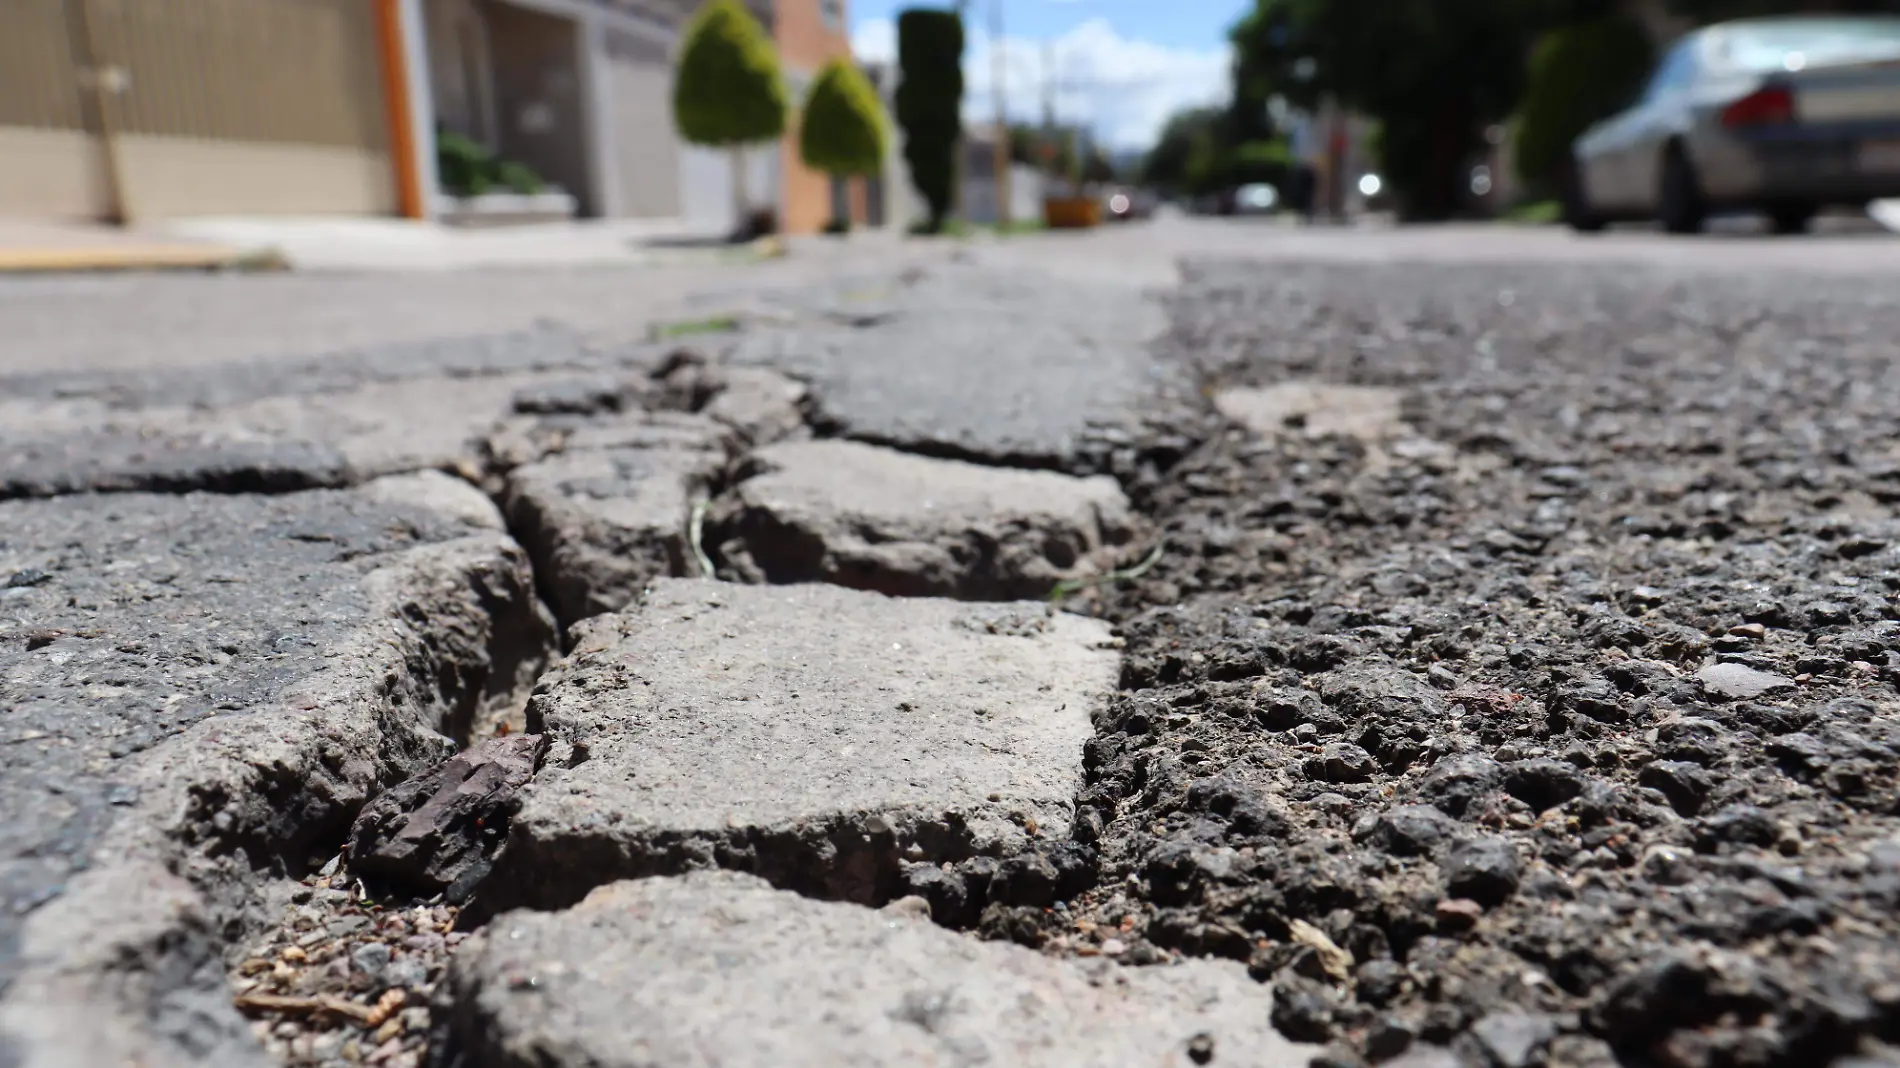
<point>1518,685</point>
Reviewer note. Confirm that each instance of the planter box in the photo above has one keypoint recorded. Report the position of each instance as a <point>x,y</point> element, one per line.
<point>506,209</point>
<point>1071,213</point>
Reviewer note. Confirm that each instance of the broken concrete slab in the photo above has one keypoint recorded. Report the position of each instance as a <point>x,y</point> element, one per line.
<point>526,439</point>
<point>270,445</point>
<point>814,735</point>
<point>760,406</point>
<point>1314,409</point>
<point>222,384</point>
<point>603,522</point>
<point>719,969</point>
<point>1008,367</point>
<point>872,518</point>
<point>281,426</point>
<point>128,460</point>
<point>201,690</point>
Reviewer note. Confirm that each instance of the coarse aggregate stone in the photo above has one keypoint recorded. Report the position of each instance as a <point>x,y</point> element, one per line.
<point>872,518</point>
<point>200,688</point>
<point>1314,409</point>
<point>817,736</point>
<point>716,968</point>
<point>1566,710</point>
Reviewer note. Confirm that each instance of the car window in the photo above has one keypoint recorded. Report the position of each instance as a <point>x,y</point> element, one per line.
<point>1769,46</point>
<point>1674,73</point>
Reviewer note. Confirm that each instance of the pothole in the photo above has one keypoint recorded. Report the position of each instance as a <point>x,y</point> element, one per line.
<point>952,786</point>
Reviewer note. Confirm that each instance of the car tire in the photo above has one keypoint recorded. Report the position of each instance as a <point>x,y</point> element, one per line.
<point>1679,204</point>
<point>1578,214</point>
<point>1791,218</point>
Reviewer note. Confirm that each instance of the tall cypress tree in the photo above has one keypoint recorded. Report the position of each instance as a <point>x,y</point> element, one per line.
<point>930,103</point>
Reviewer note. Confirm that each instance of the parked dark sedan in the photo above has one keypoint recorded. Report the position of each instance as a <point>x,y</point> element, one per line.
<point>1785,116</point>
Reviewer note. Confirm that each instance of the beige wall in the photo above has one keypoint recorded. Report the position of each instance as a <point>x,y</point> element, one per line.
<point>228,107</point>
<point>50,174</point>
<point>175,176</point>
<point>59,174</point>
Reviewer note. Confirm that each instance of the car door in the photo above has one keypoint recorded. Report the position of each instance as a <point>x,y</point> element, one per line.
<point>1651,125</point>
<point>1608,152</point>
<point>1601,155</point>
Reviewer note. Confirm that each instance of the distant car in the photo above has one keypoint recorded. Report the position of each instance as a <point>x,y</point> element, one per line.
<point>1785,116</point>
<point>1128,205</point>
<point>1258,198</point>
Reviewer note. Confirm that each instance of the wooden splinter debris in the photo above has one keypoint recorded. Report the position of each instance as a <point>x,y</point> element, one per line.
<point>366,1016</point>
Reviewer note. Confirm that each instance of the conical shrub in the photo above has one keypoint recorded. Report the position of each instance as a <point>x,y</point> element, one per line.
<point>842,130</point>
<point>728,90</point>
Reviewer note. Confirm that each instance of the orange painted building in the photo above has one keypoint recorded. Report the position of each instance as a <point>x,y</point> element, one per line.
<point>810,33</point>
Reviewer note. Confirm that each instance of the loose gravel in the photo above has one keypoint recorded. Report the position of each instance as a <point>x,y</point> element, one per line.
<point>1558,725</point>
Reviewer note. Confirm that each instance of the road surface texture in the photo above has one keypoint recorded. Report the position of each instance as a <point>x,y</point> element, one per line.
<point>1408,647</point>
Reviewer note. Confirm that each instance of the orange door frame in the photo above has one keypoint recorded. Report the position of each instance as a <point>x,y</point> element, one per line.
<point>402,123</point>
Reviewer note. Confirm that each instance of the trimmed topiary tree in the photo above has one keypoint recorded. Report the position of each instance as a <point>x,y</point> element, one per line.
<point>727,93</point>
<point>1578,75</point>
<point>842,129</point>
<point>930,104</point>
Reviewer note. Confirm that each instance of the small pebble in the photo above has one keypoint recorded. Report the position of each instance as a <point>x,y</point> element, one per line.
<point>1459,914</point>
<point>371,958</point>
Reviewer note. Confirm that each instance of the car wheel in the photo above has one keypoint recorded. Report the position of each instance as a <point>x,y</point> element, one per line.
<point>1679,203</point>
<point>1791,218</point>
<point>1578,214</point>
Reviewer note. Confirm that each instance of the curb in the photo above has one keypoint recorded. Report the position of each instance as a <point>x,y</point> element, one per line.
<point>26,261</point>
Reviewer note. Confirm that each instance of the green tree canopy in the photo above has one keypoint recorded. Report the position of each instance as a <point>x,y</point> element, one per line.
<point>1204,150</point>
<point>1707,11</point>
<point>1432,73</point>
<point>842,130</point>
<point>930,103</point>
<point>1053,151</point>
<point>1578,75</point>
<point>727,91</point>
<point>1167,163</point>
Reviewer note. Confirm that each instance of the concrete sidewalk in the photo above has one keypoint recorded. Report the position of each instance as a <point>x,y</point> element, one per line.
<point>357,244</point>
<point>34,247</point>
<point>365,244</point>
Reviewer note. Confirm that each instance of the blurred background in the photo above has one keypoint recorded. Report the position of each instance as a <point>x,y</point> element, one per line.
<point>185,115</point>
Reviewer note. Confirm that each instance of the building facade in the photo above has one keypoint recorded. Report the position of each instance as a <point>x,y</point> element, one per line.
<point>809,34</point>
<point>146,109</point>
<point>136,109</point>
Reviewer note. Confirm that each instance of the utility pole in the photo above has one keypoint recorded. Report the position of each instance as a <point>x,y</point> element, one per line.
<point>1049,105</point>
<point>999,64</point>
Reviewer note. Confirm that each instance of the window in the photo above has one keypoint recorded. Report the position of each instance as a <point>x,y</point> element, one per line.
<point>1675,73</point>
<point>832,11</point>
<point>1764,47</point>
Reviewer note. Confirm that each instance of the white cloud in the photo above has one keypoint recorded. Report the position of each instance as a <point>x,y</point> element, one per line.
<point>875,41</point>
<point>1122,88</point>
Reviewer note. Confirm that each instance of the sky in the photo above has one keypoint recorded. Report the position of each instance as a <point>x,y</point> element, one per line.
<point>1121,67</point>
